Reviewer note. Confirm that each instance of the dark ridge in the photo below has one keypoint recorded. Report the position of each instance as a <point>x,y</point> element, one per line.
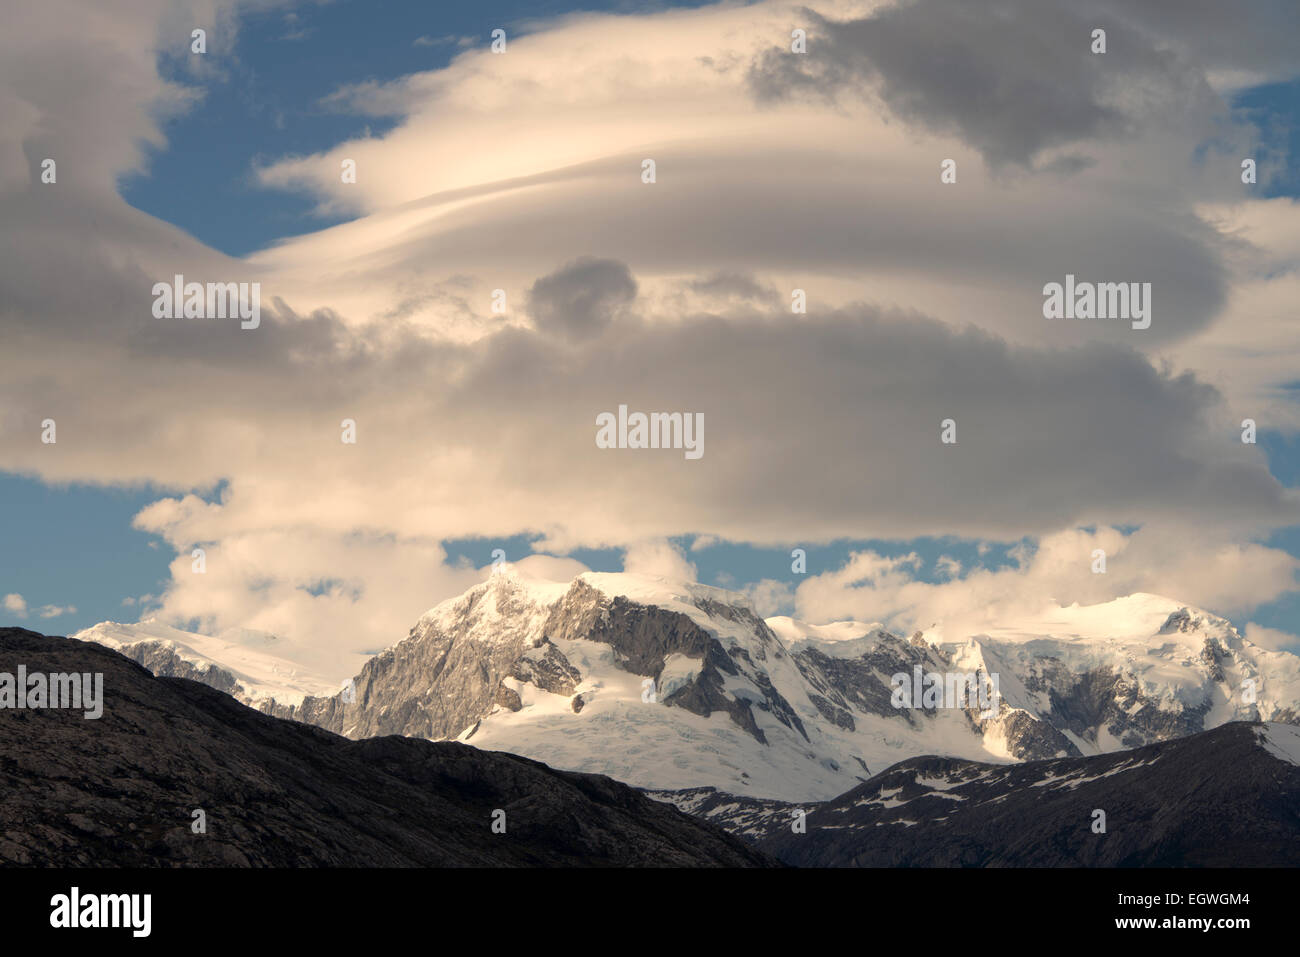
<point>120,790</point>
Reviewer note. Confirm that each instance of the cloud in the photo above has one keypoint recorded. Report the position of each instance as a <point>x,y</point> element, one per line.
<point>846,202</point>
<point>816,429</point>
<point>924,303</point>
<point>1261,44</point>
<point>332,595</point>
<point>947,566</point>
<point>550,568</point>
<point>733,285</point>
<point>1198,569</point>
<point>580,299</point>
<point>1015,78</point>
<point>1272,638</point>
<point>57,611</point>
<point>1251,353</point>
<point>658,559</point>
<point>770,597</point>
<point>451,38</point>
<point>15,604</point>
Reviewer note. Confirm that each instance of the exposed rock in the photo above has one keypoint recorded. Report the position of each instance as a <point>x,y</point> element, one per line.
<point>508,698</point>
<point>546,667</point>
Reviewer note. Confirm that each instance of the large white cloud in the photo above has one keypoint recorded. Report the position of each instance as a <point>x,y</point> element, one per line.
<point>523,172</point>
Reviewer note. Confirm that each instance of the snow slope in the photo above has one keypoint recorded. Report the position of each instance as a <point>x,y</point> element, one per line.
<point>244,667</point>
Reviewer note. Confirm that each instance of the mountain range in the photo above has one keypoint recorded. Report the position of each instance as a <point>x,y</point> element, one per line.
<point>128,788</point>
<point>672,686</point>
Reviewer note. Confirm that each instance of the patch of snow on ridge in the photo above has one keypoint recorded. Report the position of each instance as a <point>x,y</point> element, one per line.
<point>792,631</point>
<point>1282,741</point>
<point>505,595</point>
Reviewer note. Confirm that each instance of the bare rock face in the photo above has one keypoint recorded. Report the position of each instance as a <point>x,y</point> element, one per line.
<point>546,667</point>
<point>166,663</point>
<point>854,683</point>
<point>452,670</point>
<point>123,789</point>
<point>447,674</point>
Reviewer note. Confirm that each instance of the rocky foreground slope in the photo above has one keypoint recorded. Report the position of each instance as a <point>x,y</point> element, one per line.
<point>1229,797</point>
<point>122,789</point>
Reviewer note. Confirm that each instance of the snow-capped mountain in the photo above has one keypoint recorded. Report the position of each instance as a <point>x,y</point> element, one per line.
<point>241,664</point>
<point>679,685</point>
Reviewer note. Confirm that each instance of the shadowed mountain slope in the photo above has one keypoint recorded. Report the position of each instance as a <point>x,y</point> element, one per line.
<point>121,789</point>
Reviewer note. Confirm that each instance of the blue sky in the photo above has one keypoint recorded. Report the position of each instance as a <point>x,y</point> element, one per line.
<point>75,546</point>
<point>1275,109</point>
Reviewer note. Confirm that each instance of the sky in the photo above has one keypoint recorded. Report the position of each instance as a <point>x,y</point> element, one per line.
<point>522,171</point>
